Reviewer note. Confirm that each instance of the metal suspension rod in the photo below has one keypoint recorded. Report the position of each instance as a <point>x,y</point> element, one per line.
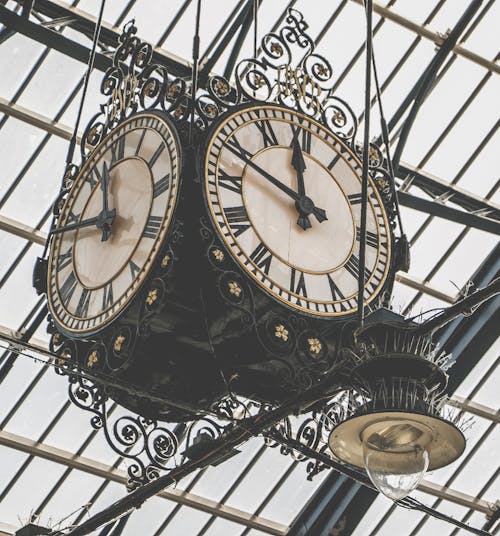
<point>90,67</point>
<point>385,139</point>
<point>194,74</point>
<point>364,179</point>
<point>74,137</point>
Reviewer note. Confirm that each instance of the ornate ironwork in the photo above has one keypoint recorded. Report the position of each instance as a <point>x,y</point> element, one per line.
<point>135,83</point>
<point>288,71</point>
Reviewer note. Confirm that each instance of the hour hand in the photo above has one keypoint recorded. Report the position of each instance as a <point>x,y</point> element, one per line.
<point>304,204</point>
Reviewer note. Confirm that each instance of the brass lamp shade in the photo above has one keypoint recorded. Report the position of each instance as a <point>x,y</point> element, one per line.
<point>443,441</point>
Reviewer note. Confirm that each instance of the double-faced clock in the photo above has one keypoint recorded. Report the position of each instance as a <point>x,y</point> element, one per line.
<point>284,195</point>
<point>113,224</point>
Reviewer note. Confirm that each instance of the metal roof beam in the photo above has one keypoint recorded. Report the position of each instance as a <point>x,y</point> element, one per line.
<point>23,231</point>
<point>84,23</point>
<point>438,188</point>
<point>51,38</point>
<point>436,37</point>
<point>474,408</point>
<point>87,465</point>
<point>441,210</point>
<point>426,288</point>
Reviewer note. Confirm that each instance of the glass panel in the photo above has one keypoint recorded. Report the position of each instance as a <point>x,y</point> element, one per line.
<point>186,521</point>
<point>223,527</point>
<point>217,480</point>
<point>259,481</point>
<point>490,359</point>
<point>16,64</point>
<point>292,495</point>
<point>60,72</point>
<point>24,497</point>
<point>40,185</point>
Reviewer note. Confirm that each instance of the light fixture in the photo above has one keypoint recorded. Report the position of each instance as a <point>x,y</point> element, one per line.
<point>391,421</point>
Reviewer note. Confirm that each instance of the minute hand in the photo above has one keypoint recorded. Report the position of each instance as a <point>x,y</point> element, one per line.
<point>283,187</point>
<point>318,212</point>
<point>72,226</point>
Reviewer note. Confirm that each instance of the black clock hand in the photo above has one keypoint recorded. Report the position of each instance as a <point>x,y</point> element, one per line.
<point>299,164</point>
<point>101,220</point>
<point>106,221</point>
<point>307,204</point>
<point>77,225</point>
<point>304,203</point>
<point>264,173</point>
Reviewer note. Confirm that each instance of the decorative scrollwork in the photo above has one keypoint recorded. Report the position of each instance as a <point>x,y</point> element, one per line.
<point>288,71</point>
<point>133,82</point>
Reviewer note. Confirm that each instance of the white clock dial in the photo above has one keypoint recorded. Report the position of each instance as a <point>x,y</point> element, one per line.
<point>94,272</point>
<point>296,236</point>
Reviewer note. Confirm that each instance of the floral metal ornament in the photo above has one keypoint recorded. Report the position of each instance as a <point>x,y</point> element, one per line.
<point>234,289</point>
<point>118,343</point>
<point>165,261</point>
<point>218,254</point>
<point>92,359</point>
<point>152,296</point>
<point>280,332</point>
<point>315,345</point>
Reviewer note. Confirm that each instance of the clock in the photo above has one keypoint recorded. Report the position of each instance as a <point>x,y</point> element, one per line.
<point>284,195</point>
<point>113,224</point>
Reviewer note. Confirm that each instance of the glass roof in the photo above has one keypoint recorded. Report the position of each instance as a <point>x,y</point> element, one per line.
<point>453,142</point>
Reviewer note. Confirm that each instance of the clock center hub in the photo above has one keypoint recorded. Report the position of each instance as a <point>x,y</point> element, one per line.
<point>305,205</point>
<point>130,194</point>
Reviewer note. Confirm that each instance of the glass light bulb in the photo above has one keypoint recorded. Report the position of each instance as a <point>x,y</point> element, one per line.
<point>395,462</point>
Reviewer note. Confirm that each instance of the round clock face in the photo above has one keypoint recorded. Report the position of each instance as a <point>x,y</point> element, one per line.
<point>113,223</point>
<point>285,196</point>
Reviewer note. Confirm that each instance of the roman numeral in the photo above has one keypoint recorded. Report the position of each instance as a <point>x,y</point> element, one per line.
<point>305,135</point>
<point>134,269</point>
<point>333,162</point>
<point>83,303</point>
<point>93,177</point>
<point>118,150</point>
<point>336,293</point>
<point>235,147</point>
<point>306,141</point>
<point>230,182</point>
<point>152,227</point>
<point>352,266</point>
<point>72,218</point>
<point>237,218</point>
<point>141,139</point>
<point>262,257</point>
<point>156,155</point>
<point>268,136</point>
<point>371,238</point>
<point>64,259</point>
<point>107,296</point>
<point>298,285</point>
<point>67,288</point>
<point>161,186</point>
<point>354,199</point>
